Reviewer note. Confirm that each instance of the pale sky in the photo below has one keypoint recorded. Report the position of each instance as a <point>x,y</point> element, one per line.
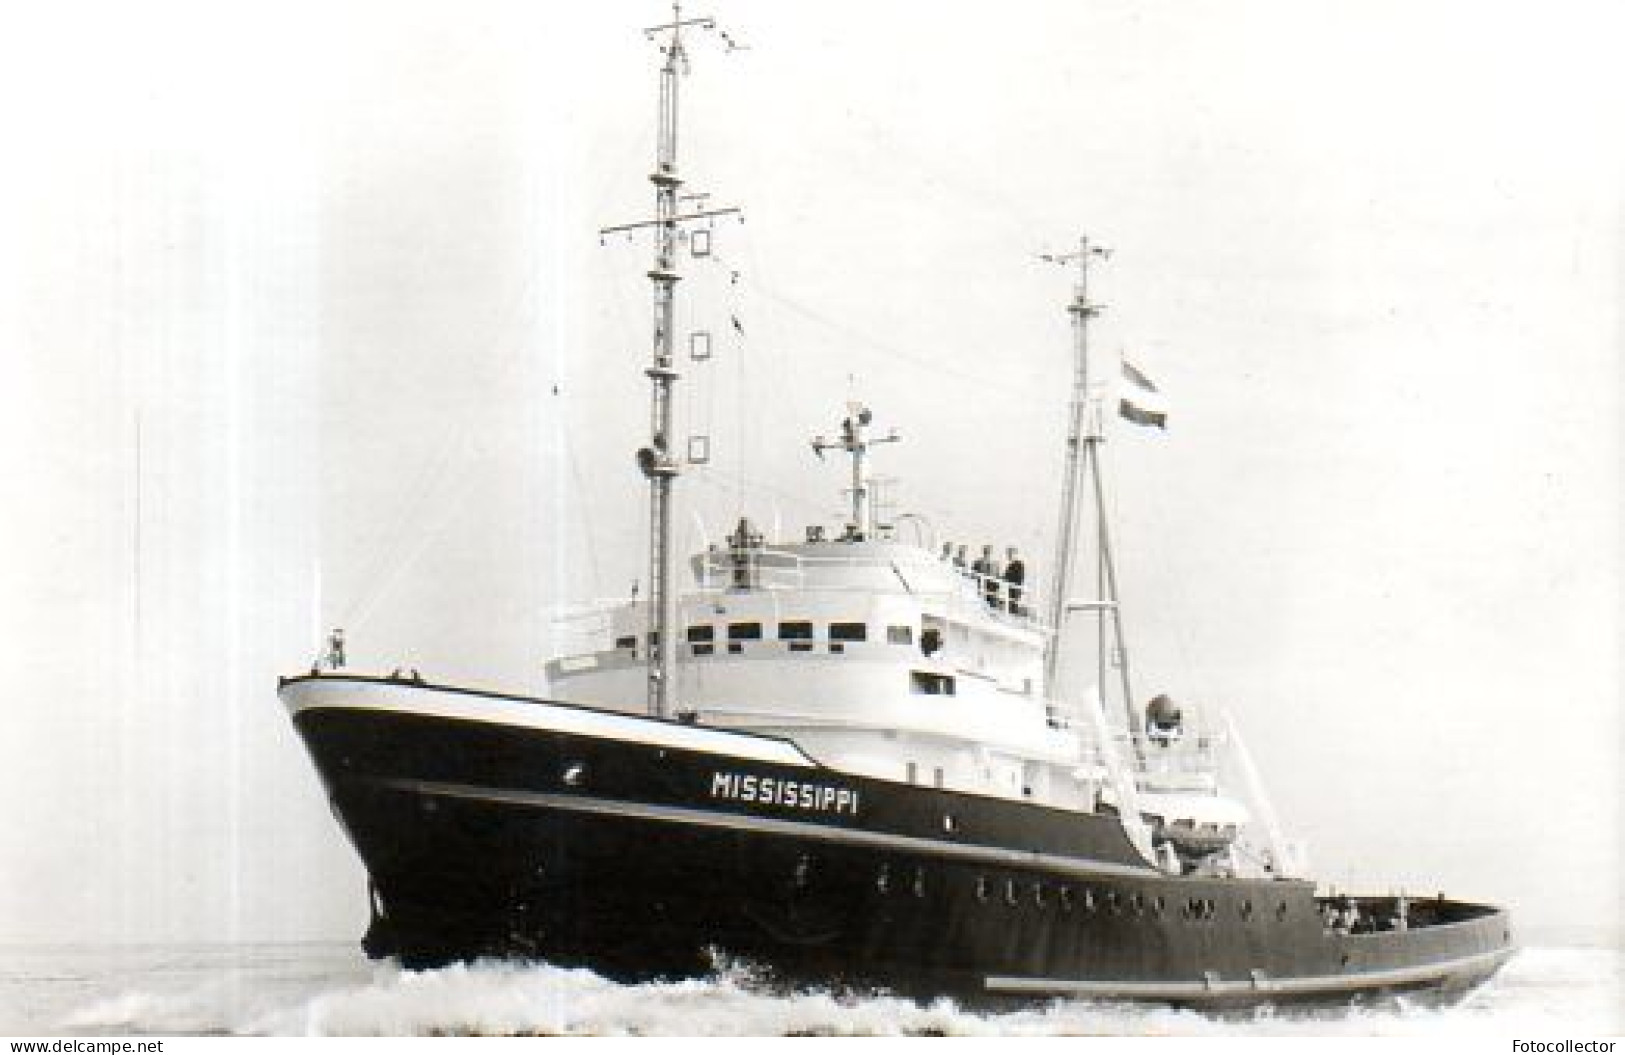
<point>304,322</point>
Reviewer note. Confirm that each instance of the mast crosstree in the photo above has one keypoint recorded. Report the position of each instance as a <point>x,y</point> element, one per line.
<point>658,462</point>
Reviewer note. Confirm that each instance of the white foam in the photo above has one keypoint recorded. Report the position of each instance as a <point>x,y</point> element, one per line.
<point>1543,992</point>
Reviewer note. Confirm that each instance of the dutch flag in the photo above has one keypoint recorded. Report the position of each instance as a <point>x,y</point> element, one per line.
<point>1139,401</point>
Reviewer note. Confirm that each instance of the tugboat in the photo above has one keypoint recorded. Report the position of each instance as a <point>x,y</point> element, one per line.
<point>843,759</point>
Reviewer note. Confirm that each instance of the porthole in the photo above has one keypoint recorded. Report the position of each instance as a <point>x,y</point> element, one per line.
<point>948,822</point>
<point>1089,903</point>
<point>981,888</point>
<point>1112,904</point>
<point>1158,905</point>
<point>1039,897</point>
<point>1009,891</point>
<point>1136,904</point>
<point>1066,899</point>
<point>575,773</point>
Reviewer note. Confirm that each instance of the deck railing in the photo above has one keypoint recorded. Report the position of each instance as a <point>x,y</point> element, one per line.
<point>1187,762</point>
<point>723,570</point>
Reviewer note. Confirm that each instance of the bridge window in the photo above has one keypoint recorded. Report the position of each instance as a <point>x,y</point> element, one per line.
<point>738,632</point>
<point>630,643</point>
<point>899,635</point>
<point>700,639</point>
<point>848,632</point>
<point>798,633</point>
<point>926,683</point>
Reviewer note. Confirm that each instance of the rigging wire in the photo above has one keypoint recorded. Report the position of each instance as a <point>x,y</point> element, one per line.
<point>582,507</point>
<point>781,377</point>
<point>515,317</point>
<point>737,334</point>
<point>937,368</point>
<point>398,547</point>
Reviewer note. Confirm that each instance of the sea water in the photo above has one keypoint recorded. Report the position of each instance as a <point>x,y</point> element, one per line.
<point>333,990</point>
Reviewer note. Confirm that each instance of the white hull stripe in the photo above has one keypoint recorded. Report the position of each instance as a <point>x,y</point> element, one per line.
<point>359,694</point>
<point>1218,990</point>
<point>772,825</point>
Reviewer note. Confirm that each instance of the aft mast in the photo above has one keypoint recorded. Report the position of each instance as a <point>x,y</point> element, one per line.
<point>657,461</point>
<point>1085,434</point>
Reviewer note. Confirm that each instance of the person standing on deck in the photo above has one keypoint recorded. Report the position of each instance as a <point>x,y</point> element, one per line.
<point>987,572</point>
<point>1015,576</point>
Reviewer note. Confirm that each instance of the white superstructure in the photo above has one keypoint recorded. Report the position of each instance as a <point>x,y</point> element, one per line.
<point>874,657</point>
<point>881,658</point>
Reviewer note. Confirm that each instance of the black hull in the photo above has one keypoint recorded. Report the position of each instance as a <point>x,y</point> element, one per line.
<point>642,860</point>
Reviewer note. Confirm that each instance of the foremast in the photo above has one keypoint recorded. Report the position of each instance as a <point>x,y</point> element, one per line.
<point>658,461</point>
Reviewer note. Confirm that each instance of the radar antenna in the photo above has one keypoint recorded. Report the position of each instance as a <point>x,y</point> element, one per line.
<point>855,441</point>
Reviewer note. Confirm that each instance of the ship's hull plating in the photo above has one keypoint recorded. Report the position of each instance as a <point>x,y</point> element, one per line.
<point>644,849</point>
